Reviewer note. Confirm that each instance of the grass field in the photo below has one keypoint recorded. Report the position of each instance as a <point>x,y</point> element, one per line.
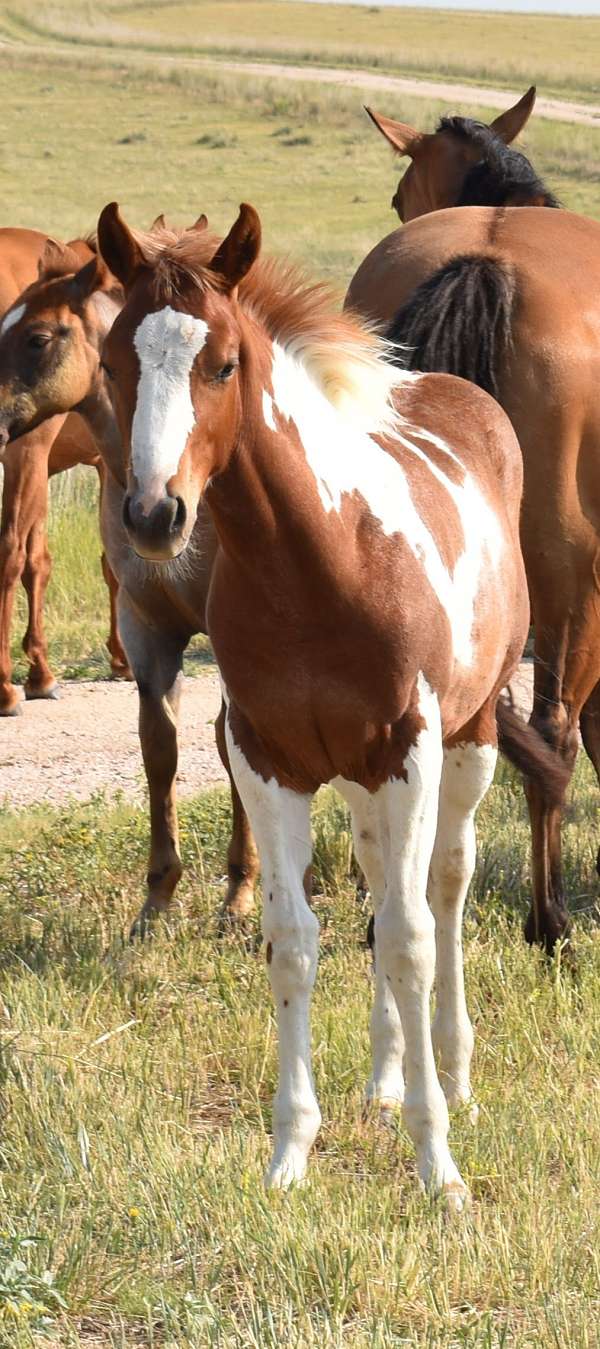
<point>136,1083</point>
<point>137,1086</point>
<point>495,49</point>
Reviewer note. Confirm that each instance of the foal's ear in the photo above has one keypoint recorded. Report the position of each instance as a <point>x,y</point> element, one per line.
<point>236,255</point>
<point>403,138</point>
<point>200,225</point>
<point>159,223</point>
<point>120,249</point>
<point>93,276</point>
<point>508,125</point>
<point>53,257</point>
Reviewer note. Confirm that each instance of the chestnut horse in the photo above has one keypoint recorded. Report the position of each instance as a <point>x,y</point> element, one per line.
<point>368,602</point>
<point>28,464</point>
<point>510,298</point>
<point>50,364</point>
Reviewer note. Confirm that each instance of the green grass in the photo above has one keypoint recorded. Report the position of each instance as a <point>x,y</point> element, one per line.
<point>137,1087</point>
<point>495,49</point>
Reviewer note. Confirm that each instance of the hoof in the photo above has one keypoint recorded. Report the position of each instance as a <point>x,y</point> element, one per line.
<point>385,1112</point>
<point>289,1171</point>
<point>555,927</point>
<point>13,709</point>
<point>121,672</point>
<point>38,693</point>
<point>456,1196</point>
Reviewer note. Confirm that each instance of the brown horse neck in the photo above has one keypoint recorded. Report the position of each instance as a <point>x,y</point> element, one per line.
<point>98,414</point>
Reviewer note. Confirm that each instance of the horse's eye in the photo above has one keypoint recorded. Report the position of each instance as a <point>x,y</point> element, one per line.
<point>226,372</point>
<point>38,340</point>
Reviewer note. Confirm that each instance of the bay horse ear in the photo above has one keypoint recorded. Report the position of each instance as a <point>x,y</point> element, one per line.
<point>236,255</point>
<point>403,138</point>
<point>508,125</point>
<point>93,276</point>
<point>120,249</point>
<point>52,258</point>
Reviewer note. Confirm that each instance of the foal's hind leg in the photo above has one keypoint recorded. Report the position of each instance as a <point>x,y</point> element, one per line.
<point>386,1084</point>
<point>156,661</point>
<point>242,857</point>
<point>467,773</point>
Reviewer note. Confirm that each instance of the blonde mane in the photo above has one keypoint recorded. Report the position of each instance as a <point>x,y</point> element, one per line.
<point>345,356</point>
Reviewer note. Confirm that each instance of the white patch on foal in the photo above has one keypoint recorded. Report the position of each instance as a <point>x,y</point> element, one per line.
<point>11,318</point>
<point>345,459</point>
<point>167,343</point>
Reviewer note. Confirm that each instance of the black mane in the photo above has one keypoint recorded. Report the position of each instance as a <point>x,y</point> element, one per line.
<point>502,176</point>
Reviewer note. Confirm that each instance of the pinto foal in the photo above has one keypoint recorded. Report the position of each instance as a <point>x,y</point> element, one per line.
<point>368,602</point>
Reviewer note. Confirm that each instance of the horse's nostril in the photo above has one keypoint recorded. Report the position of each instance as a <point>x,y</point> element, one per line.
<point>127,512</point>
<point>180,516</point>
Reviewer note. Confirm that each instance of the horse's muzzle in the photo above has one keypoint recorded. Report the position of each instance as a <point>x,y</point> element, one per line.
<point>158,534</point>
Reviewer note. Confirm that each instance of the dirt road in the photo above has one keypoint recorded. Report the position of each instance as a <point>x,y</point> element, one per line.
<point>87,741</point>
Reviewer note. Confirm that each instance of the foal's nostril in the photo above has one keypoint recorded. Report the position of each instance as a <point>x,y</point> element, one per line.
<point>126,512</point>
<point>180,516</point>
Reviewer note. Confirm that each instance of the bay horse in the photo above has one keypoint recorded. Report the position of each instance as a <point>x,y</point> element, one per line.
<point>509,297</point>
<point>368,602</point>
<point>51,448</point>
<point>49,365</point>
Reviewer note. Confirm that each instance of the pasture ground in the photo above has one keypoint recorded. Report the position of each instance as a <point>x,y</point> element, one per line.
<point>136,1083</point>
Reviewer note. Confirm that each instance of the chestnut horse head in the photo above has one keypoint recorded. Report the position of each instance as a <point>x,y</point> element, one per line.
<point>464,163</point>
<point>174,354</point>
<point>49,337</point>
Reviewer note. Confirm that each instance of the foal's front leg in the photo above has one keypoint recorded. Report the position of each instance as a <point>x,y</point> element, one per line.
<point>405,944</point>
<point>280,821</point>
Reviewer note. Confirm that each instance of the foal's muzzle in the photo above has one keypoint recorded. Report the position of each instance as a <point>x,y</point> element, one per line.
<point>159,534</point>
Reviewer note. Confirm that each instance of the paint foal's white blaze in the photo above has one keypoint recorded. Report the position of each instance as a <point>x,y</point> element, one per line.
<point>11,318</point>
<point>167,343</point>
<point>345,459</point>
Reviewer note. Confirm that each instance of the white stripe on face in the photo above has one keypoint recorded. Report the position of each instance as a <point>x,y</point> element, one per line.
<point>11,318</point>
<point>167,343</point>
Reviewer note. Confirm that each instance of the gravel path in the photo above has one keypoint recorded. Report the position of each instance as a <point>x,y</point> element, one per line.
<point>87,742</point>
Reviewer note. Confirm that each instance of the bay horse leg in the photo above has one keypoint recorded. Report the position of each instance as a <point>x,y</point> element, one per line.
<point>40,682</point>
<point>386,1083</point>
<point>467,773</point>
<point>405,944</point>
<point>242,857</point>
<point>118,660</point>
<point>119,663</point>
<point>22,525</point>
<point>589,725</point>
<point>280,821</point>
<point>156,662</point>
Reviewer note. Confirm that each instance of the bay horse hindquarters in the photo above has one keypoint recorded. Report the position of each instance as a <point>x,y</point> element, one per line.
<point>368,603</point>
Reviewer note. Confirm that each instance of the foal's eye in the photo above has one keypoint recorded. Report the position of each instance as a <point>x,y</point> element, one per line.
<point>226,372</point>
<point>39,340</point>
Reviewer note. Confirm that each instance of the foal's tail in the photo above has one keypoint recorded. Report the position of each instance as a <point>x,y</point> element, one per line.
<point>527,750</point>
<point>458,321</point>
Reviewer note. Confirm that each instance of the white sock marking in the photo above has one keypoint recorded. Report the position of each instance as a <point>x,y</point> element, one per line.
<point>167,343</point>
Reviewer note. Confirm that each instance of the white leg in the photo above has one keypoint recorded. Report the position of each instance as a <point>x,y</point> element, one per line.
<point>467,773</point>
<point>405,943</point>
<point>280,822</point>
<point>386,1084</point>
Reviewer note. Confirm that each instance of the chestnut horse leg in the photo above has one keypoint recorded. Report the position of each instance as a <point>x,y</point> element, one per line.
<point>118,660</point>
<point>589,725</point>
<point>22,547</point>
<point>563,683</point>
<point>40,682</point>
<point>242,857</point>
<point>156,661</point>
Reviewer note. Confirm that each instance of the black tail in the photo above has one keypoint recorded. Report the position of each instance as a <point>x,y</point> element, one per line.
<point>458,321</point>
<point>524,747</point>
